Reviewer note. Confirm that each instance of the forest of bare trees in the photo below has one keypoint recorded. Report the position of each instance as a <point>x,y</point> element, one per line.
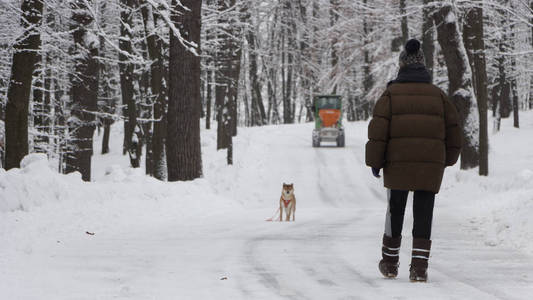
<point>164,69</point>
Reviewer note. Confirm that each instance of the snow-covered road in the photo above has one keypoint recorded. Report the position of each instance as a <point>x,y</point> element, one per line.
<point>164,251</point>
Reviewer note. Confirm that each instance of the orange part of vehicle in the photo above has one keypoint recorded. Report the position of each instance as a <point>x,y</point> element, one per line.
<point>329,117</point>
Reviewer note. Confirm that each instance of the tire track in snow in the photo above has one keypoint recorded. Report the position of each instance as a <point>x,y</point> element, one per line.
<point>267,277</point>
<point>321,235</point>
<point>336,260</point>
<point>320,269</point>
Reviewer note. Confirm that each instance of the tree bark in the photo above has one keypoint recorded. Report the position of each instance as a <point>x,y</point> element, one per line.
<point>209,96</point>
<point>531,76</point>
<point>39,111</point>
<point>157,69</point>
<point>368,81</point>
<point>428,44</point>
<point>84,91</point>
<point>126,79</point>
<point>223,82</point>
<point>18,93</point>
<point>107,100</point>
<point>460,82</point>
<point>404,24</point>
<point>514,80</point>
<point>306,55</point>
<point>184,159</point>
<point>334,18</point>
<point>475,46</point>
<point>504,101</point>
<point>228,60</point>
<point>257,111</point>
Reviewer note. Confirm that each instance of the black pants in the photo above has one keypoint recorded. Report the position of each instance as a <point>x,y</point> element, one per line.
<point>422,213</point>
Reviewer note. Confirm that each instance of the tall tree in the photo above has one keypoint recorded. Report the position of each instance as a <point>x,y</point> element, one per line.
<point>531,41</point>
<point>334,18</point>
<point>227,66</point>
<point>475,46</point>
<point>428,43</point>
<point>40,111</point>
<point>184,159</point>
<point>405,25</point>
<point>18,94</point>
<point>460,81</point>
<point>287,40</point>
<point>126,80</point>
<point>514,79</point>
<point>304,61</point>
<point>157,69</point>
<point>258,114</point>
<point>106,102</point>
<point>368,81</point>
<point>84,91</point>
<point>502,104</point>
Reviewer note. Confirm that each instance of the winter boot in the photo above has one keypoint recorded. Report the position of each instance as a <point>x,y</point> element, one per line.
<point>419,261</point>
<point>390,251</point>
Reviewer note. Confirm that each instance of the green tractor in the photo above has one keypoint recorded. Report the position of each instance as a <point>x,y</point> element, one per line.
<point>328,120</point>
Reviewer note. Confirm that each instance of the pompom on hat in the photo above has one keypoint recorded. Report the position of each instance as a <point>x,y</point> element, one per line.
<point>412,54</point>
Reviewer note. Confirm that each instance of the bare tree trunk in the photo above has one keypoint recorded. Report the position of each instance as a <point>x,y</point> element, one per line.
<point>157,69</point>
<point>84,91</point>
<point>531,76</point>
<point>59,124</point>
<point>368,81</point>
<point>475,46</point>
<point>39,115</point>
<point>460,82</point>
<point>236,71</point>
<point>428,45</point>
<point>126,80</point>
<point>306,73</point>
<point>228,61</point>
<point>209,80</point>
<point>209,96</point>
<point>223,77</point>
<point>514,81</point>
<point>334,18</point>
<point>405,25</point>
<point>257,111</point>
<point>18,93</point>
<point>286,67</point>
<point>504,88</point>
<point>107,101</point>
<point>184,159</point>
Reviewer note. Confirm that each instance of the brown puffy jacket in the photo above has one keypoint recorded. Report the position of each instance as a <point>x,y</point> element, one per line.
<point>413,135</point>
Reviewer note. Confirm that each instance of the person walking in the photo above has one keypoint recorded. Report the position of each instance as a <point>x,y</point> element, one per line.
<point>413,136</point>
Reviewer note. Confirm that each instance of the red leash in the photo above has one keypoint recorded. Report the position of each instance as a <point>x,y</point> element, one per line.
<point>272,219</point>
<point>285,203</point>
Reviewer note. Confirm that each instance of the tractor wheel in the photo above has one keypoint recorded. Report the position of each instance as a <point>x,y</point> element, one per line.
<point>340,140</point>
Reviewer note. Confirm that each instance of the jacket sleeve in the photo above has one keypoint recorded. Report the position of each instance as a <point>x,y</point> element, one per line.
<point>453,133</point>
<point>378,132</point>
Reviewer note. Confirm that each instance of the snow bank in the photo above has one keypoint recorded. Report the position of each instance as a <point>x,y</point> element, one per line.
<point>500,205</point>
<point>122,193</point>
<point>33,184</point>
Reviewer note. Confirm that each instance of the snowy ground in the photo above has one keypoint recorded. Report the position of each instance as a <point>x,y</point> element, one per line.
<point>207,239</point>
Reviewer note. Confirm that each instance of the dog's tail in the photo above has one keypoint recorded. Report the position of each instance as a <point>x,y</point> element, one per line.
<point>274,216</point>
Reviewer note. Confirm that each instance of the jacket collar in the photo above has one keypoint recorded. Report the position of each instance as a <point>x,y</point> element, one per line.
<point>413,73</point>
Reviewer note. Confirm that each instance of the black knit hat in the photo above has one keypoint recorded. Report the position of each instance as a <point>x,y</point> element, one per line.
<point>412,54</point>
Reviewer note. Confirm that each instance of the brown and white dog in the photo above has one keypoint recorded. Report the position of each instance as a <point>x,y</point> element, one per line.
<point>287,202</point>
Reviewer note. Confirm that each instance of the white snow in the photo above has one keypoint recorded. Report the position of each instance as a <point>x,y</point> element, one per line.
<point>450,18</point>
<point>207,239</point>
